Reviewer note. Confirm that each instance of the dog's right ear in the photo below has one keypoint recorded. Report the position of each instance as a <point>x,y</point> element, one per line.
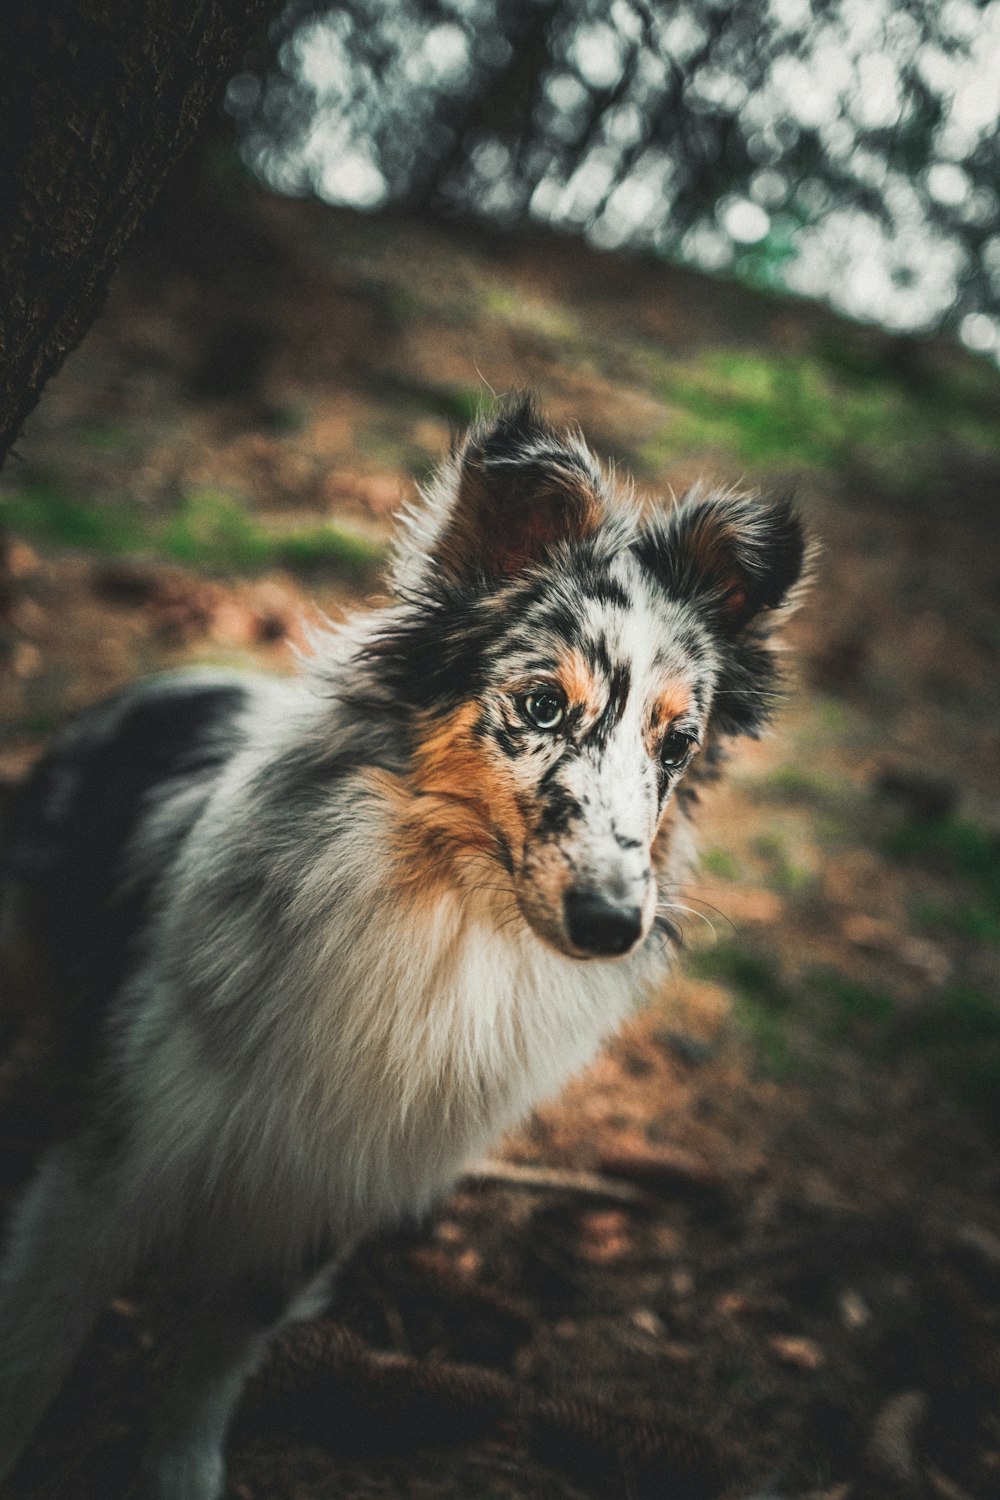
<point>509,493</point>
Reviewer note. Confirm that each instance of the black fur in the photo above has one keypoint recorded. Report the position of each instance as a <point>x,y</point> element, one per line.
<point>70,826</point>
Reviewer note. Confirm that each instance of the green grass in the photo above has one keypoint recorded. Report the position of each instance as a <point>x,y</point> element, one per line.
<point>546,319</point>
<point>209,529</point>
<point>963,850</point>
<point>760,1000</point>
<point>782,871</point>
<point>956,1032</point>
<point>45,512</point>
<point>104,437</point>
<point>458,404</point>
<point>792,783</point>
<point>817,409</point>
<point>960,1033</point>
<point>970,921</point>
<point>314,547</point>
<point>214,530</point>
<point>720,862</point>
<point>852,1010</point>
<point>960,1017</point>
<point>742,969</point>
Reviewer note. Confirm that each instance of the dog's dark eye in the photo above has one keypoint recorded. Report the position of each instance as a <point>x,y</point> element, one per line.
<point>546,709</point>
<point>675,749</point>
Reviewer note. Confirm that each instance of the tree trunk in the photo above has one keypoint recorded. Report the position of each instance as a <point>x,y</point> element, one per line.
<point>98,100</point>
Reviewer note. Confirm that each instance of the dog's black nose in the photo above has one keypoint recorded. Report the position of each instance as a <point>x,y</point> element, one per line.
<point>599,926</point>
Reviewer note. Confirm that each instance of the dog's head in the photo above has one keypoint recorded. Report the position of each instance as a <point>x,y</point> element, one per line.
<point>563,661</point>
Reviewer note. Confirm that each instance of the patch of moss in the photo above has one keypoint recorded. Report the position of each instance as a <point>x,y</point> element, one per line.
<point>41,722</point>
<point>461,404</point>
<point>760,1000</point>
<point>402,304</point>
<point>960,1017</point>
<point>545,319</point>
<point>458,404</point>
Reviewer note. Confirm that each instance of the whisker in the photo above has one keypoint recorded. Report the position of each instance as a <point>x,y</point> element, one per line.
<point>717,909</point>
<point>678,906</point>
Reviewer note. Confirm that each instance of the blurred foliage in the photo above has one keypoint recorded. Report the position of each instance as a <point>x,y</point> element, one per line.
<point>963,850</point>
<point>956,1030</point>
<point>44,511</point>
<point>837,148</point>
<point>800,410</point>
<point>208,529</point>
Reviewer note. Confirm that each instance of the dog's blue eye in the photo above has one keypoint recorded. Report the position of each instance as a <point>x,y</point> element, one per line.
<point>545,709</point>
<point>675,749</point>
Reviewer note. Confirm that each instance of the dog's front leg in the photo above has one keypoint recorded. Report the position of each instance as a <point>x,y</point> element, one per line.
<point>220,1346</point>
<point>70,1246</point>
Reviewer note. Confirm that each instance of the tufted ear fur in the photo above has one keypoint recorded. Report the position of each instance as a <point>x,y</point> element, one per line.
<point>736,554</point>
<point>510,491</point>
<point>734,558</point>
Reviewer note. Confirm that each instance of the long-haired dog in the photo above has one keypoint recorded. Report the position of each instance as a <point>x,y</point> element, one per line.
<point>318,943</point>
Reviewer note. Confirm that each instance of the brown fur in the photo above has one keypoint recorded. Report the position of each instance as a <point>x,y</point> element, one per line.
<point>504,523</point>
<point>672,704</point>
<point>455,799</point>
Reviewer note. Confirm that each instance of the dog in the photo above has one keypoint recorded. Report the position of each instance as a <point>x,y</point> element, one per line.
<point>317,943</point>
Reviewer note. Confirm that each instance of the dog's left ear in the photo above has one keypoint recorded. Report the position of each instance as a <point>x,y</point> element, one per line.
<point>511,491</point>
<point>735,555</point>
<point>736,559</point>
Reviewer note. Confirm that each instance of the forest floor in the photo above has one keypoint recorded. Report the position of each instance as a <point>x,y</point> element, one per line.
<point>787,1267</point>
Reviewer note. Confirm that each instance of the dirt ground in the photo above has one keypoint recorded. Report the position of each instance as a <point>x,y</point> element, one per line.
<point>757,1251</point>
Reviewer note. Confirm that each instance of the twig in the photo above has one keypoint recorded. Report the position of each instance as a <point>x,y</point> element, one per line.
<point>557,1180</point>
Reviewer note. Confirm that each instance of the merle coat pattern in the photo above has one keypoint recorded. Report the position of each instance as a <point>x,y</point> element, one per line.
<point>317,943</point>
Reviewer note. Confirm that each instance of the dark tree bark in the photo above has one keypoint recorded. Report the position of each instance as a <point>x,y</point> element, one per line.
<point>98,100</point>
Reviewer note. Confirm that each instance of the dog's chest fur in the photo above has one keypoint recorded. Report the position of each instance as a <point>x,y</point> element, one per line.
<point>406,1029</point>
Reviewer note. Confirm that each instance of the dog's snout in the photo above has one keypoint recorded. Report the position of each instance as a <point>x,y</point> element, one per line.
<point>596,925</point>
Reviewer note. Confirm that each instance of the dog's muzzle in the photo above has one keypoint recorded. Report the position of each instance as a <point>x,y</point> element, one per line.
<point>598,926</point>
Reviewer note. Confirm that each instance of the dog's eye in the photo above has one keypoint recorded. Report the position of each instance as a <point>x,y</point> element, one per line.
<point>546,709</point>
<point>675,749</point>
